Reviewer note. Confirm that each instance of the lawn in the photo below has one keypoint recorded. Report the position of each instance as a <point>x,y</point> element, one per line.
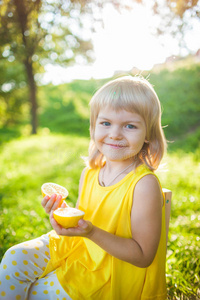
<point>55,155</point>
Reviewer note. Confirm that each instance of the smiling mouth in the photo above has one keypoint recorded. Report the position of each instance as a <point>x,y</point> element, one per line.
<point>115,146</point>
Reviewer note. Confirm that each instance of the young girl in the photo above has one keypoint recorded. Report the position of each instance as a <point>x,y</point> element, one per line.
<point>118,251</point>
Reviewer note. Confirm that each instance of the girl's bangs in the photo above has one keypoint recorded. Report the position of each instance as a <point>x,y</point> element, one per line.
<point>118,97</point>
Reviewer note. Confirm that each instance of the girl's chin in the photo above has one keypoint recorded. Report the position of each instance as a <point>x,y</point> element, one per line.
<point>118,158</point>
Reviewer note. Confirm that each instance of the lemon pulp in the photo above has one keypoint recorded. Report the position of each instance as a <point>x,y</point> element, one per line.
<point>68,216</point>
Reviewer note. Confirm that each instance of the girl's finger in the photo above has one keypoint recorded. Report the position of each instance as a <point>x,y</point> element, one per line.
<point>56,203</point>
<point>64,204</point>
<point>45,200</point>
<point>54,224</point>
<point>50,203</point>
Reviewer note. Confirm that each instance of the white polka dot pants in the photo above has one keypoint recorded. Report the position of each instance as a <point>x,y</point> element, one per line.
<point>19,271</point>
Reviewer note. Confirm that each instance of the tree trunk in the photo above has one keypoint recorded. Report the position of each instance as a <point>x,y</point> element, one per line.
<point>23,21</point>
<point>32,95</point>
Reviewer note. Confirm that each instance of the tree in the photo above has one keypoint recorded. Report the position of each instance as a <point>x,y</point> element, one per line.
<point>176,17</point>
<point>180,7</point>
<point>35,32</point>
<point>13,93</point>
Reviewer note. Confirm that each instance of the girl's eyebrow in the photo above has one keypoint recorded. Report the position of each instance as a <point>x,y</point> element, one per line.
<point>133,121</point>
<point>127,121</point>
<point>104,118</point>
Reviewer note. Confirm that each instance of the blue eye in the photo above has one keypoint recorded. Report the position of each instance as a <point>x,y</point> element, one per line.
<point>130,126</point>
<point>105,123</point>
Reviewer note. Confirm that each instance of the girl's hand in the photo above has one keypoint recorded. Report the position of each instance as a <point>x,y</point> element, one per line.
<point>51,203</point>
<point>84,228</point>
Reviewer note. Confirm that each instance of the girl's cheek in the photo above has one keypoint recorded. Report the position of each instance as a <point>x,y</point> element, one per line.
<point>97,134</point>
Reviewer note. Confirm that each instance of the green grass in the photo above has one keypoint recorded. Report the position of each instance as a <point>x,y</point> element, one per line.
<point>54,154</point>
<point>181,174</point>
<point>28,162</point>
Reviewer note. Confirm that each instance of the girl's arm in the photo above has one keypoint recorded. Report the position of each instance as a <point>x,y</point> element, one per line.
<point>146,218</point>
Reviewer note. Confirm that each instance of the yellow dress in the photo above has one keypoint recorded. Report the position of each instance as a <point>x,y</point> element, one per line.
<point>85,270</point>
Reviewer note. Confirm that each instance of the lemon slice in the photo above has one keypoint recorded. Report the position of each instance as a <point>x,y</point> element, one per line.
<point>68,216</point>
<point>50,188</point>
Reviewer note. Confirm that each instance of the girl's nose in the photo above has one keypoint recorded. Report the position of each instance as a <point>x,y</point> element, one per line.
<point>115,133</point>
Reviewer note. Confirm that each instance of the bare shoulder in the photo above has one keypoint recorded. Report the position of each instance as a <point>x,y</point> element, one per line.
<point>148,187</point>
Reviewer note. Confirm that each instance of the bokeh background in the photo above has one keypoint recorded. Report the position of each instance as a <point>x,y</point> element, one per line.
<point>54,55</point>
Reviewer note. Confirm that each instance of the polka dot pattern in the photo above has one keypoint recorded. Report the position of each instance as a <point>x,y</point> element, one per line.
<point>12,287</point>
<point>20,269</point>
<point>34,293</point>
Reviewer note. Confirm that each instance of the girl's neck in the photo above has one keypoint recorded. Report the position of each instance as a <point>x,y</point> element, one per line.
<point>114,167</point>
<point>113,172</point>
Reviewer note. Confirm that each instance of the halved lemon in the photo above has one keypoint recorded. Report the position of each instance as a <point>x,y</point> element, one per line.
<point>50,188</point>
<point>68,216</point>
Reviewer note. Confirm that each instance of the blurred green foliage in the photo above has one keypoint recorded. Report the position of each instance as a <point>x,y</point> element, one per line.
<point>13,94</point>
<point>54,154</point>
<point>67,104</point>
<point>179,93</point>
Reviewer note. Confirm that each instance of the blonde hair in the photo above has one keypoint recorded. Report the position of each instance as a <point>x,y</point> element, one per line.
<point>134,94</point>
